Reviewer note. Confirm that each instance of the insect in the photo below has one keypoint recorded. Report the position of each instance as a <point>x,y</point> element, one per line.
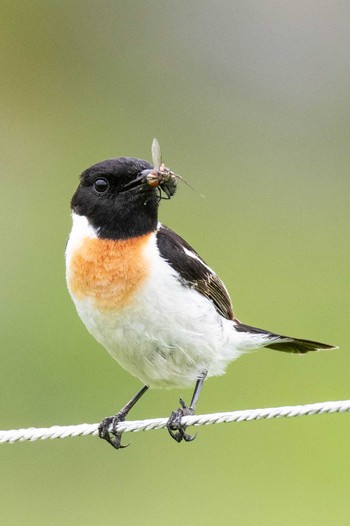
<point>161,176</point>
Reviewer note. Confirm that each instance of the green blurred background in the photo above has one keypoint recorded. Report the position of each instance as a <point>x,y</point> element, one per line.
<point>251,103</point>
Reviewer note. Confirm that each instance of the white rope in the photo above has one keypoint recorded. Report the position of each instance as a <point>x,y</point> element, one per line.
<point>247,415</point>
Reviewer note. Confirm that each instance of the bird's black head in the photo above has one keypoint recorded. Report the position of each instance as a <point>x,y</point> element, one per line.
<point>116,200</point>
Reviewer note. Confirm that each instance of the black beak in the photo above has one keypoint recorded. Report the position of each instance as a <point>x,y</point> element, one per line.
<point>140,180</point>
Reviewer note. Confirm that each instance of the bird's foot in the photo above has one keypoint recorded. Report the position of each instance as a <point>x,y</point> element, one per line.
<point>176,429</point>
<point>112,436</point>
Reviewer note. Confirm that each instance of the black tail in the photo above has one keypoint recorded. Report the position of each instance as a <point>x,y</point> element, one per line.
<point>285,343</point>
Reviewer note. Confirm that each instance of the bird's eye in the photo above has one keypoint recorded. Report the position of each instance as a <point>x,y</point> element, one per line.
<point>101,185</point>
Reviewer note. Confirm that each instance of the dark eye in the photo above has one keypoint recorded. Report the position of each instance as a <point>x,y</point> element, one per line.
<point>101,185</point>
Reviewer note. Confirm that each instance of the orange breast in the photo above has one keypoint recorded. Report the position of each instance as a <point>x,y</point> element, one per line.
<point>110,272</point>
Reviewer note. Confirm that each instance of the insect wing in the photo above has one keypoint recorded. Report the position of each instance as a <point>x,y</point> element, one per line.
<point>156,154</point>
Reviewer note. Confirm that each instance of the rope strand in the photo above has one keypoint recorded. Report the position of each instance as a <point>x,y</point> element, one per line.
<point>320,408</point>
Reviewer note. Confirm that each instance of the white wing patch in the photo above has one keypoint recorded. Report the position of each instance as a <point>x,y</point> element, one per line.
<point>197,258</point>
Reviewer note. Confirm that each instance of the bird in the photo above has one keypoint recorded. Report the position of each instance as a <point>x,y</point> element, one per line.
<point>146,295</point>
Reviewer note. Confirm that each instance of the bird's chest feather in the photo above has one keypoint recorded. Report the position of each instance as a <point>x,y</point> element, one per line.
<point>107,272</point>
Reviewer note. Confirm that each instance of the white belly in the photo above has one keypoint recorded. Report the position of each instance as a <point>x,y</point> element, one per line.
<point>165,343</point>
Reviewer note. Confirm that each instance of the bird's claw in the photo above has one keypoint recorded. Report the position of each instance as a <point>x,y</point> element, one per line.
<point>176,429</point>
<point>112,436</point>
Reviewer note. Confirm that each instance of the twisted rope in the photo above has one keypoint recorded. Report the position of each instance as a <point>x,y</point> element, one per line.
<point>247,415</point>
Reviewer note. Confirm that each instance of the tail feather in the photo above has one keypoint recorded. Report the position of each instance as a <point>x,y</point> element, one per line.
<point>285,343</point>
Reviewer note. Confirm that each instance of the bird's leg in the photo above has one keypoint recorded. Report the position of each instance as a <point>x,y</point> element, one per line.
<point>113,437</point>
<point>176,429</point>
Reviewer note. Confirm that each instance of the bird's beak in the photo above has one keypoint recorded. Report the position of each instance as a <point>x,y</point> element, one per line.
<point>146,178</point>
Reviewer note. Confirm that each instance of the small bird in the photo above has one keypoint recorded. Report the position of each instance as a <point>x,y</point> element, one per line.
<point>146,295</point>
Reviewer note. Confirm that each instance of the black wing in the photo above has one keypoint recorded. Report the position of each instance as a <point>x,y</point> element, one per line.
<point>193,271</point>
